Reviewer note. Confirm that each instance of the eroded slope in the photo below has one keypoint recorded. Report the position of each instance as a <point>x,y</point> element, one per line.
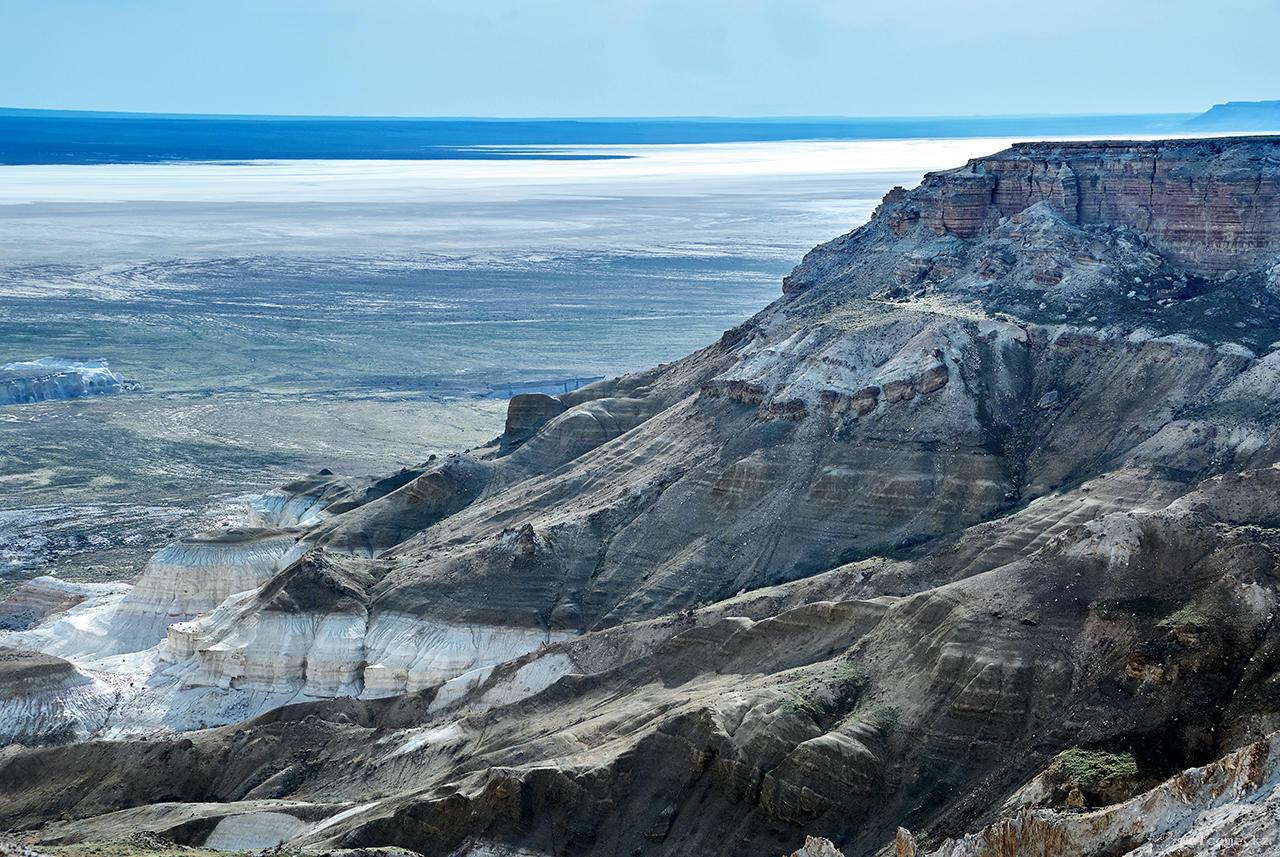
<point>995,479</point>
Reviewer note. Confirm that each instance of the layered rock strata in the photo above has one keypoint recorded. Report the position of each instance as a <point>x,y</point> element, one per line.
<point>994,484</point>
<point>33,601</point>
<point>44,699</point>
<point>1210,206</point>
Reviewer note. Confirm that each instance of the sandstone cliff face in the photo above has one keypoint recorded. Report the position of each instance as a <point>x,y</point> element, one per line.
<point>995,479</point>
<point>1209,205</point>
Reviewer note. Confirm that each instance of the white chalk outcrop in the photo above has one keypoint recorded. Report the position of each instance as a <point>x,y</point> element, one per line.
<point>339,652</point>
<point>406,654</point>
<point>54,378</point>
<point>223,627</point>
<point>240,646</point>
<point>193,576</point>
<point>184,580</point>
<point>254,831</point>
<point>109,637</point>
<point>35,600</point>
<point>45,699</point>
<point>282,509</point>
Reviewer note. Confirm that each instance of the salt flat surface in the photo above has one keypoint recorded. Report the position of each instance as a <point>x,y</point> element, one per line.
<point>720,197</point>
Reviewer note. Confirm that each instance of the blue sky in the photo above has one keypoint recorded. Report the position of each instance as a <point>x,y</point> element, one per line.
<point>637,57</point>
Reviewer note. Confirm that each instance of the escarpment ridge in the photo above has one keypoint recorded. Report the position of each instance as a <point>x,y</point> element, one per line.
<point>1210,205</point>
<point>976,522</point>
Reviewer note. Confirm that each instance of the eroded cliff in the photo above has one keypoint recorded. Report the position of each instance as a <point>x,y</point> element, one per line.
<point>995,480</point>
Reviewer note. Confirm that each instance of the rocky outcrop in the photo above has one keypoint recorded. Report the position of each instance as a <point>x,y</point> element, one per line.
<point>310,500</point>
<point>526,413</point>
<point>1209,205</point>
<point>1229,807</point>
<point>816,847</point>
<point>431,494</point>
<point>314,632</point>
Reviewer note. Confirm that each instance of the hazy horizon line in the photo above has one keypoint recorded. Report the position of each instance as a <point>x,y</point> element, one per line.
<point>141,114</point>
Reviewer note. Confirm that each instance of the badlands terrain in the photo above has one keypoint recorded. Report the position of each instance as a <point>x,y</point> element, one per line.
<point>966,545</point>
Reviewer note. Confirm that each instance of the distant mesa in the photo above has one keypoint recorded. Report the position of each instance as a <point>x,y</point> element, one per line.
<point>1239,116</point>
<point>53,378</point>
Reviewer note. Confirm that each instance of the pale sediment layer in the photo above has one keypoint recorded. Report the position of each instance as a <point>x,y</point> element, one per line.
<point>182,581</point>
<point>260,648</point>
<point>33,601</point>
<point>44,699</point>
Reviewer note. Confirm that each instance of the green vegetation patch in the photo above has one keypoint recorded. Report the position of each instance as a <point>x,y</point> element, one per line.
<point>884,718</point>
<point>1154,610</point>
<point>830,695</point>
<point>1186,616</point>
<point>1093,769</point>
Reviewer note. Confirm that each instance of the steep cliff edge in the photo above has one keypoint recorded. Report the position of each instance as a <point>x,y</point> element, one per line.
<point>995,480</point>
<point>1200,208</point>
